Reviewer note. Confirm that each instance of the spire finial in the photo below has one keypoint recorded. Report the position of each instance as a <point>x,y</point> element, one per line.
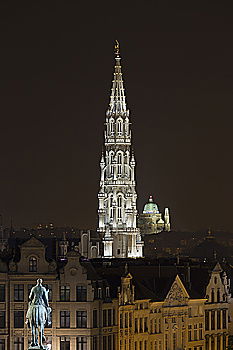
<point>117,47</point>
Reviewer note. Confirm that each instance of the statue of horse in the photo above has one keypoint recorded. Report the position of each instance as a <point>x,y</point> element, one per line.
<point>38,314</point>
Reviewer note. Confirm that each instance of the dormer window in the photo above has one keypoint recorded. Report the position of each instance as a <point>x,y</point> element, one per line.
<point>107,292</point>
<point>32,264</point>
<point>99,293</point>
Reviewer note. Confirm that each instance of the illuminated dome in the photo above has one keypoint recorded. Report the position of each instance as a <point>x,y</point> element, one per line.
<point>150,207</point>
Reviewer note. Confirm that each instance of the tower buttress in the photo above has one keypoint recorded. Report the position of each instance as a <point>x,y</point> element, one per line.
<point>117,195</point>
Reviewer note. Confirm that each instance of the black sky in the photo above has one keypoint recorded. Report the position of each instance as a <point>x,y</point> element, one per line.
<point>56,65</point>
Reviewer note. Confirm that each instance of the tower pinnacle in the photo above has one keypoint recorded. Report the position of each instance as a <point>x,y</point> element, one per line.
<point>117,104</point>
<point>117,47</point>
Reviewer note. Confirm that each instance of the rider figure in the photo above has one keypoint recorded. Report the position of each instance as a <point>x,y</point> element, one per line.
<point>38,297</point>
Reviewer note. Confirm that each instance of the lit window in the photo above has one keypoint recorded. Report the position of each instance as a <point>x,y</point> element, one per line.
<point>81,293</point>
<point>81,319</point>
<point>64,319</point>
<point>18,343</point>
<point>18,292</point>
<point>82,343</point>
<point>18,319</point>
<point>65,293</point>
<point>64,343</point>
<point>32,264</point>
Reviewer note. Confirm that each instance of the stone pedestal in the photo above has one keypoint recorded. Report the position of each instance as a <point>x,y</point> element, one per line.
<point>45,347</point>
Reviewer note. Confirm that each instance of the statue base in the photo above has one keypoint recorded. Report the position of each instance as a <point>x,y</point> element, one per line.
<point>37,347</point>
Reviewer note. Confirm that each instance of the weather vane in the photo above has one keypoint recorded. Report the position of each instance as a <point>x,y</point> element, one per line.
<point>117,47</point>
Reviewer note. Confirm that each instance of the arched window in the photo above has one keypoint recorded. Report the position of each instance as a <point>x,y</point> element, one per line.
<point>119,207</point>
<point>111,126</point>
<point>126,126</point>
<point>119,127</point>
<point>218,296</point>
<point>212,296</point>
<point>119,163</point>
<point>126,165</point>
<point>32,264</point>
<point>111,161</point>
<point>111,207</point>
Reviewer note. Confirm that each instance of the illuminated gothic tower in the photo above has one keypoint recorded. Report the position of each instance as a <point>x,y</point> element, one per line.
<point>117,195</point>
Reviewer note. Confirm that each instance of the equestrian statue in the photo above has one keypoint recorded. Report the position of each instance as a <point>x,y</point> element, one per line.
<point>38,314</point>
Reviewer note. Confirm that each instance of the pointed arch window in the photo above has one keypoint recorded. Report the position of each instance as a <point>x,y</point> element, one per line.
<point>126,165</point>
<point>111,207</point>
<point>32,264</point>
<point>119,207</point>
<point>119,126</point>
<point>111,126</point>
<point>111,161</point>
<point>119,163</point>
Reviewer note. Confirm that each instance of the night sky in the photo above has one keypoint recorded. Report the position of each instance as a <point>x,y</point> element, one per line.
<point>56,65</point>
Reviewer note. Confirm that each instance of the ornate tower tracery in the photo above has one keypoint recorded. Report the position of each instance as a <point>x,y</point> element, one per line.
<point>117,195</point>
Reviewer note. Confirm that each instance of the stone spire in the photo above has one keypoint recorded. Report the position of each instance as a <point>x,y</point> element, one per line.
<point>117,194</point>
<point>117,105</point>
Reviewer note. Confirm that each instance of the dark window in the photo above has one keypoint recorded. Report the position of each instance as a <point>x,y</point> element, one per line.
<point>207,318</point>
<point>2,319</point>
<point>145,325</point>
<point>105,342</point>
<point>189,332</point>
<point>2,344</point>
<point>109,317</point>
<point>64,319</point>
<point>218,342</point>
<point>219,319</point>
<point>113,317</point>
<point>32,264</point>
<point>140,325</point>
<point>104,318</point>
<point>2,292</point>
<point>110,342</point>
<point>224,319</point>
<point>82,343</point>
<point>65,293</point>
<point>18,343</point>
<point>81,293</point>
<point>212,320</point>
<point>136,325</point>
<point>121,320</point>
<point>81,319</point>
<point>95,318</point>
<point>126,320</point>
<point>218,296</point>
<point>64,343</point>
<point>18,292</point>
<point>95,343</point>
<point>212,296</point>
<point>18,319</point>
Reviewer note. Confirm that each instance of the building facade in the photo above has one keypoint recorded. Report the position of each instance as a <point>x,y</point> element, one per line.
<point>117,195</point>
<point>102,307</point>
